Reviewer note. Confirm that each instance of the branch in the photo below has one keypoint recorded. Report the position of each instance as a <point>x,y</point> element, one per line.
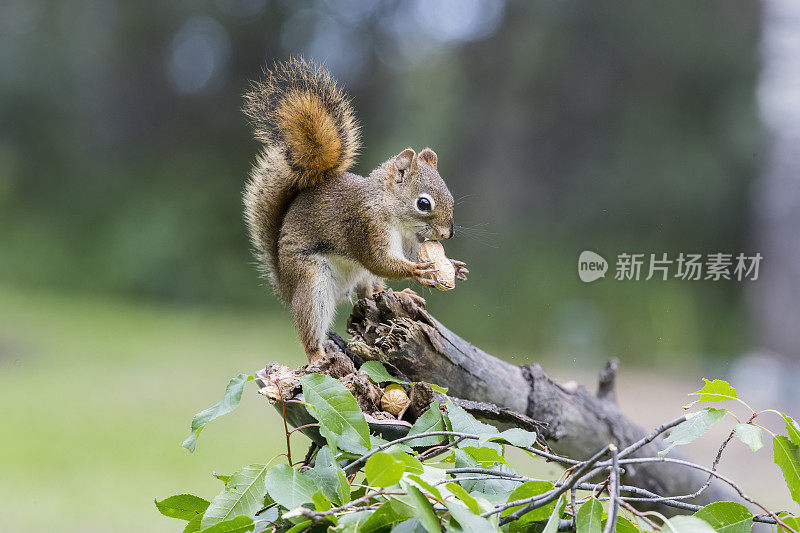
<point>410,342</point>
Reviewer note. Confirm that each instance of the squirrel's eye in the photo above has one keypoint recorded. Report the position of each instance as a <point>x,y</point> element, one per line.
<point>424,204</point>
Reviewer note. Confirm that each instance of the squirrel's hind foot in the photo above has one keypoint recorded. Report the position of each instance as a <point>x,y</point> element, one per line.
<point>315,353</point>
<point>411,298</point>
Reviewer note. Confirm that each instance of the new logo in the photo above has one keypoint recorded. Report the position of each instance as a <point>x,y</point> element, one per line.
<point>591,266</point>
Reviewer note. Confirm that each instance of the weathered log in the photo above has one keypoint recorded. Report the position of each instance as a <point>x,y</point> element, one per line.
<point>412,343</point>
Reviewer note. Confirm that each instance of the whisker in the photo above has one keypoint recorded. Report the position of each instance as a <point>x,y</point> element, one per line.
<point>475,231</point>
<point>476,238</point>
<point>462,198</point>
<point>476,226</point>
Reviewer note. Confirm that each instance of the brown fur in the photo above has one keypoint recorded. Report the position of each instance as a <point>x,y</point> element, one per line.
<point>321,232</point>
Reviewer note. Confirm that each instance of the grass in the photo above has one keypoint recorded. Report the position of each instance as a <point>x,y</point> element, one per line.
<point>98,395</point>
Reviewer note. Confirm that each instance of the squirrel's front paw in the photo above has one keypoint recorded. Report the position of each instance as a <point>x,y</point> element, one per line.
<point>424,273</point>
<point>461,269</point>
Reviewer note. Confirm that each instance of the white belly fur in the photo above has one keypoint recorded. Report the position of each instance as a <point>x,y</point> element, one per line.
<point>347,275</point>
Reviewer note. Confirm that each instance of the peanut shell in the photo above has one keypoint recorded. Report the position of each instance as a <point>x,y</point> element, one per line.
<point>445,275</point>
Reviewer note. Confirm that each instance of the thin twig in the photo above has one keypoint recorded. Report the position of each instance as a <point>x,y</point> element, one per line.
<point>382,447</point>
<point>285,424</point>
<point>651,437</point>
<point>479,478</point>
<point>542,499</point>
<point>644,495</point>
<point>438,450</point>
<point>613,492</point>
<point>640,514</point>
<point>312,449</point>
<point>551,456</point>
<point>487,471</point>
<point>317,516</point>
<point>659,499</point>
<point>572,497</point>
<point>716,475</point>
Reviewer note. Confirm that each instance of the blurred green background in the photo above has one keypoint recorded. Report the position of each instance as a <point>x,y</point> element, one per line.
<point>128,295</point>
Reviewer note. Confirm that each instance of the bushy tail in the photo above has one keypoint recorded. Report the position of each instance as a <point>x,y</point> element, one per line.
<point>300,105</point>
<point>309,132</point>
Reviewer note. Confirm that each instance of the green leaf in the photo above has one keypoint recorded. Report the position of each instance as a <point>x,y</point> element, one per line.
<point>383,470</point>
<point>438,388</point>
<point>787,456</point>
<point>558,510</point>
<point>321,502</point>
<point>468,521</point>
<point>193,525</point>
<point>300,526</point>
<point>430,420</point>
<point>489,487</point>
<point>402,505</point>
<point>693,427</point>
<point>424,508</point>
<point>376,442</point>
<point>413,465</point>
<point>727,517</point>
<point>240,524</point>
<point>461,494</point>
<point>422,484</point>
<point>515,437</point>
<point>383,517</point>
<point>528,490</point>
<point>623,526</point>
<point>792,429</point>
<point>791,521</point>
<point>290,488</point>
<point>590,517</point>
<point>688,524</point>
<point>337,412</point>
<point>229,402</point>
<point>486,457</point>
<point>329,477</point>
<point>412,525</point>
<point>221,477</point>
<point>378,373</point>
<point>750,435</point>
<point>463,422</point>
<point>716,391</point>
<point>183,506</point>
<point>243,495</point>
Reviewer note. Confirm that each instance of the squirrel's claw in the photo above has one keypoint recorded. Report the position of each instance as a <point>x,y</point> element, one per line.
<point>428,282</point>
<point>422,273</point>
<point>461,269</point>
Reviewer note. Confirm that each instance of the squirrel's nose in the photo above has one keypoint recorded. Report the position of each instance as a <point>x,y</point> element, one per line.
<point>446,232</point>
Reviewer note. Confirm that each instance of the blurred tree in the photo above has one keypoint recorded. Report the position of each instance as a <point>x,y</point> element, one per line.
<point>560,126</point>
<point>774,307</point>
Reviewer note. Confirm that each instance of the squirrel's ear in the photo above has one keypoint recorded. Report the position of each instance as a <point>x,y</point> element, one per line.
<point>429,156</point>
<point>403,162</point>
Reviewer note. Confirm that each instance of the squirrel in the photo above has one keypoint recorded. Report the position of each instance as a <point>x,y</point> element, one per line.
<point>320,232</point>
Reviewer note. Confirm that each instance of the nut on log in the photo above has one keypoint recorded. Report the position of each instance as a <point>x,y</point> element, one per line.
<point>445,275</point>
<point>394,399</point>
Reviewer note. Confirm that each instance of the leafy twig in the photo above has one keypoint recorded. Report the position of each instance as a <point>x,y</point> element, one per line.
<point>543,499</point>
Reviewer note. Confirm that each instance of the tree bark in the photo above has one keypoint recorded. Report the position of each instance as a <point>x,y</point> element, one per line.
<point>412,343</point>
